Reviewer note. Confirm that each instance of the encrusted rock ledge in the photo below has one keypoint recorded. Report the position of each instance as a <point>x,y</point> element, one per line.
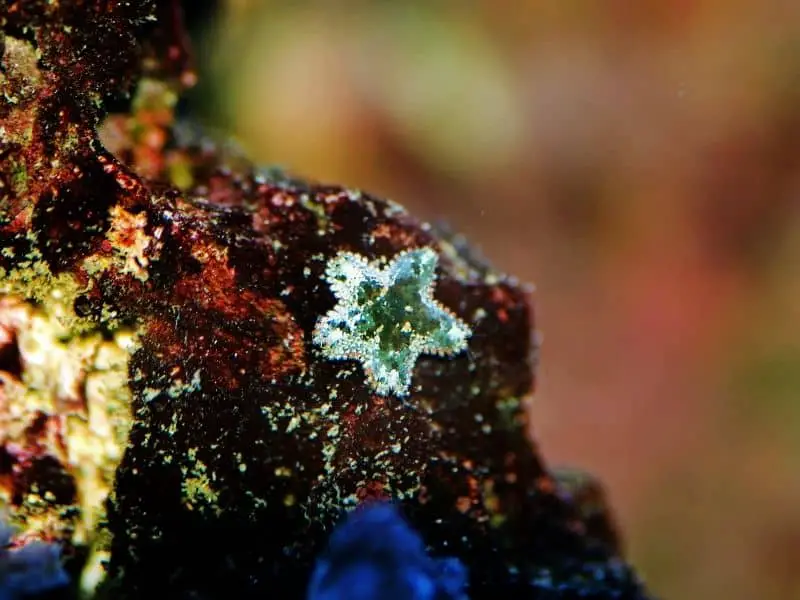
<point>204,364</point>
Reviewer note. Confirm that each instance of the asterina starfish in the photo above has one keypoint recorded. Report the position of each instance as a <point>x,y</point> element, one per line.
<point>385,317</point>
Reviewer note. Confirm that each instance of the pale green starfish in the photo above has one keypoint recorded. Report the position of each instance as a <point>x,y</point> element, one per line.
<point>386,316</point>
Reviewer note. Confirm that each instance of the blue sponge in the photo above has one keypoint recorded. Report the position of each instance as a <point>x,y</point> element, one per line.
<point>374,554</point>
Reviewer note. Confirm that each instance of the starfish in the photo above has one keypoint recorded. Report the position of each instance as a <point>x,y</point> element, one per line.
<point>386,316</point>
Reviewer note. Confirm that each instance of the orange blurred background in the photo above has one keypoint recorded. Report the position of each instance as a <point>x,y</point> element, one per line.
<point>640,163</point>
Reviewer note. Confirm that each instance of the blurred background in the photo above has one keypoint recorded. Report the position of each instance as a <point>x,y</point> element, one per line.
<point>640,163</point>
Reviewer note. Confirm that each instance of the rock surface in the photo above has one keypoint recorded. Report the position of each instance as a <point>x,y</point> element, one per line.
<point>167,414</point>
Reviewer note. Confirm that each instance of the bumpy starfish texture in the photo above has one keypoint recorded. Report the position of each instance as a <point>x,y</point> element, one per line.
<point>385,317</point>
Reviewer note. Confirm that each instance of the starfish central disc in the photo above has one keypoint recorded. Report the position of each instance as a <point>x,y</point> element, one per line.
<point>386,316</point>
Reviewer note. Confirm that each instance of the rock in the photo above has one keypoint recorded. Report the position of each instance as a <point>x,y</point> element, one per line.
<point>169,416</point>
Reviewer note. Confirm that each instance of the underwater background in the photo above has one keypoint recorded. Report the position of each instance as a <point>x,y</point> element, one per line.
<point>640,163</point>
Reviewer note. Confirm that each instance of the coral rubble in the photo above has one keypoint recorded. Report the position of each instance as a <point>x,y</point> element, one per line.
<point>178,413</point>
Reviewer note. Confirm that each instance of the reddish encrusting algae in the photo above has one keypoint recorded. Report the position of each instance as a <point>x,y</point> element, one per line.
<point>169,415</point>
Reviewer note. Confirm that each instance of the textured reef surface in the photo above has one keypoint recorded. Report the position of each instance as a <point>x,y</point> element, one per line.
<point>205,366</point>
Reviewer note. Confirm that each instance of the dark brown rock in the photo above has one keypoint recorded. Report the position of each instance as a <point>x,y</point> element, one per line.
<point>205,277</point>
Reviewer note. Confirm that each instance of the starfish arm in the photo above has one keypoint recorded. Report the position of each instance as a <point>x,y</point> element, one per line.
<point>390,377</point>
<point>450,337</point>
<point>345,273</point>
<point>418,267</point>
<point>334,332</point>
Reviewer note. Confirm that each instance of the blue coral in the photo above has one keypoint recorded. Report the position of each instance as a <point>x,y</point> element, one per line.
<point>32,569</point>
<point>374,554</point>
